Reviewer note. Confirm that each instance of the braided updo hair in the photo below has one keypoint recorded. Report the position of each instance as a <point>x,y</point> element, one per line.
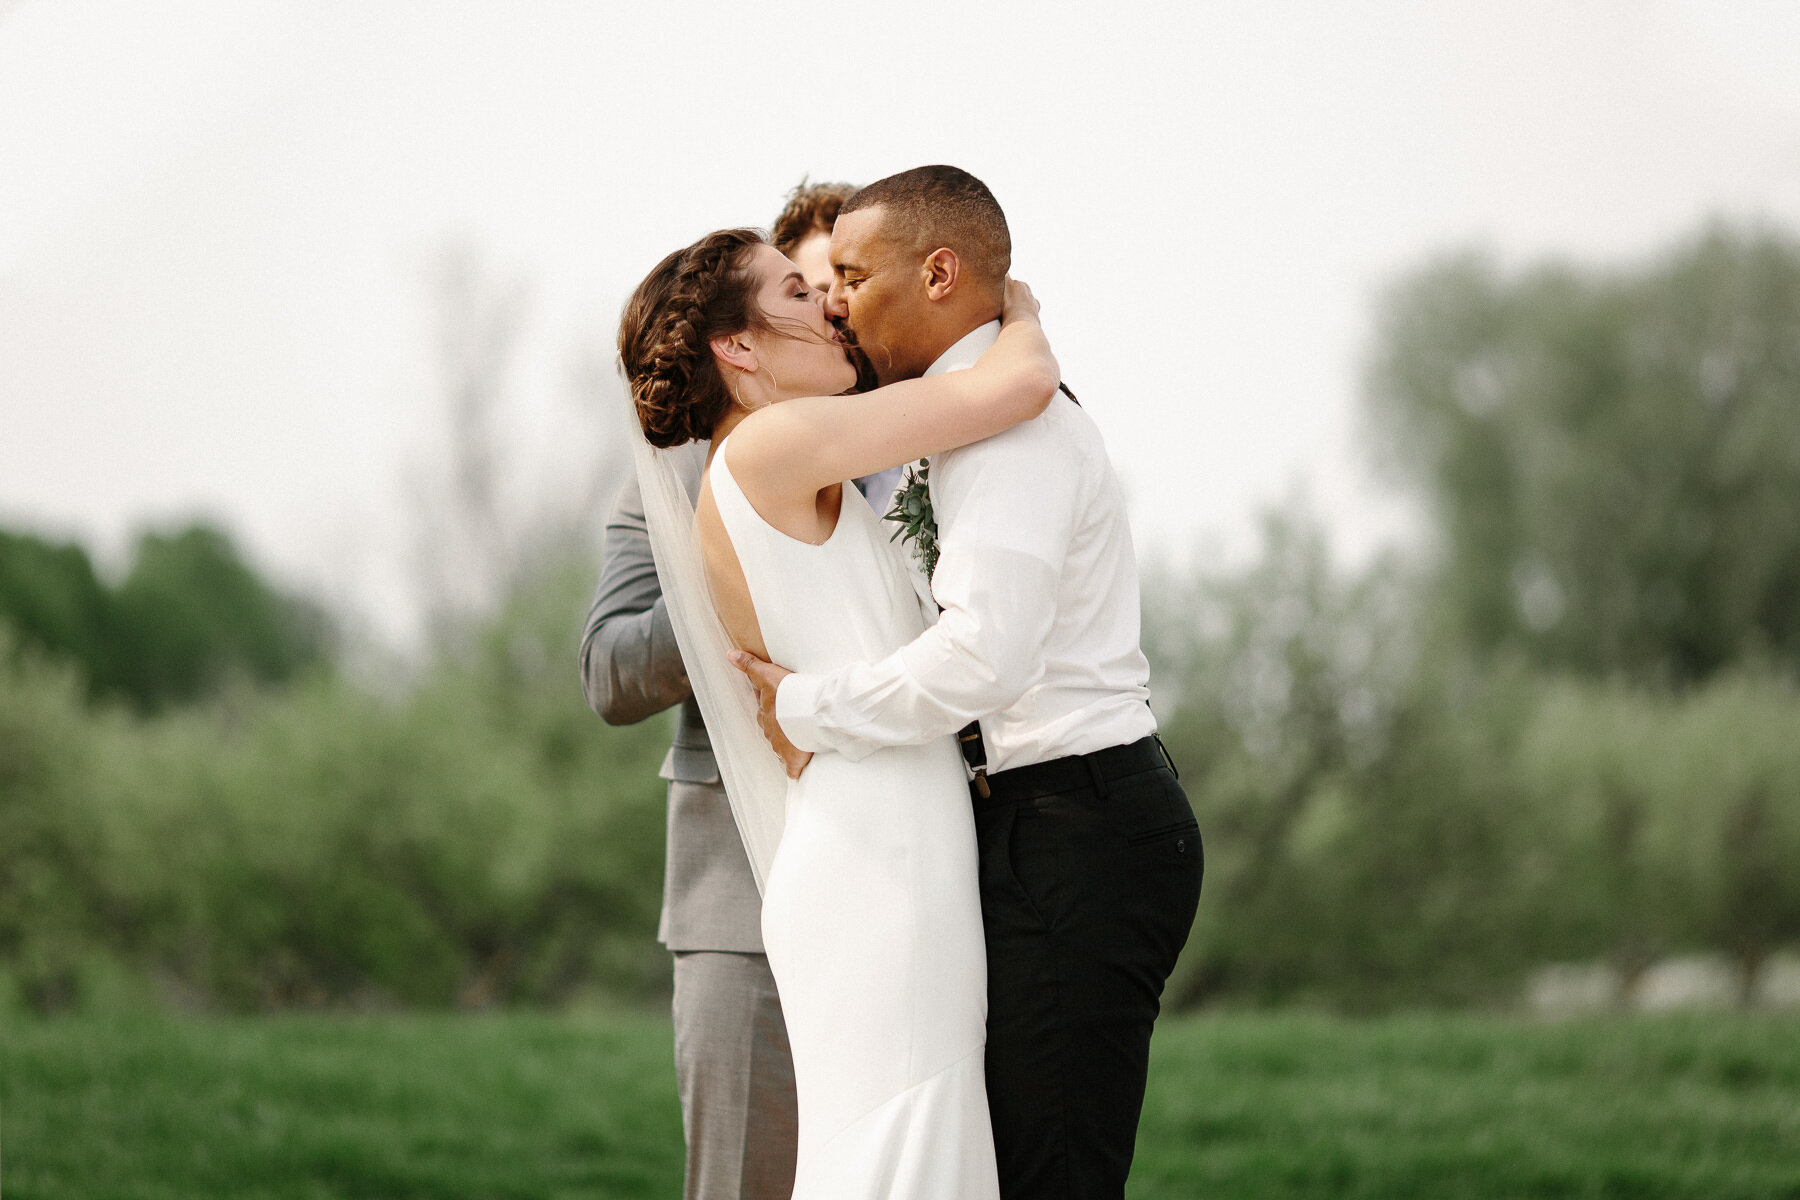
<point>694,295</point>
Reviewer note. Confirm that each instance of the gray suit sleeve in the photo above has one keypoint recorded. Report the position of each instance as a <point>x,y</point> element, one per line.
<point>630,664</point>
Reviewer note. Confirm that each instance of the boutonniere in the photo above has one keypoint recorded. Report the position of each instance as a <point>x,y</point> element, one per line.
<point>912,512</point>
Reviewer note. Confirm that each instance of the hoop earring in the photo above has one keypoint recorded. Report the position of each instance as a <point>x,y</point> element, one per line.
<point>736,398</point>
<point>774,383</point>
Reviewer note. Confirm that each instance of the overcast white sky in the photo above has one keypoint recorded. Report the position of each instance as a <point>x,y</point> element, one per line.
<point>217,218</point>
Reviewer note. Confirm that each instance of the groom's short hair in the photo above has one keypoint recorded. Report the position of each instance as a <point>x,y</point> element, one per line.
<point>929,207</point>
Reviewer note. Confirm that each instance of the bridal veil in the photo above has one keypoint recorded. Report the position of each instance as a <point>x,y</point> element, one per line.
<point>754,780</point>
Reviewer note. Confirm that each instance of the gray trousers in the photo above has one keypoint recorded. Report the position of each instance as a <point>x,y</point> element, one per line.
<point>736,1076</point>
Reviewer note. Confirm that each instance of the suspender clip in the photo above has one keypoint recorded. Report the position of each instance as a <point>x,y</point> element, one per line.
<point>974,752</point>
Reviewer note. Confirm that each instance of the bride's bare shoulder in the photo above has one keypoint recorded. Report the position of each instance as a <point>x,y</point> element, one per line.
<point>761,443</point>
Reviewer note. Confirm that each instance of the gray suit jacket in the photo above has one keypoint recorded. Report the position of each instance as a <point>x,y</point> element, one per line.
<point>631,669</point>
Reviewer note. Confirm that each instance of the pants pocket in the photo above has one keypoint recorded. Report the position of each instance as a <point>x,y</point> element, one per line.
<point>1170,832</point>
<point>1005,900</point>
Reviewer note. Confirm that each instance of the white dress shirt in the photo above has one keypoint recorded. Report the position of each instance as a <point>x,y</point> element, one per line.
<point>1038,583</point>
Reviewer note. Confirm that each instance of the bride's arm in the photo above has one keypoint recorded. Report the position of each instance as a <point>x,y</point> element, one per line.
<point>811,443</point>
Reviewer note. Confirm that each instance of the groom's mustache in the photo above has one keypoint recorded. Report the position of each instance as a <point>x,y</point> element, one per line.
<point>865,371</point>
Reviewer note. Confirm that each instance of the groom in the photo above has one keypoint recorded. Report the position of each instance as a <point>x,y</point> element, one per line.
<point>1090,856</point>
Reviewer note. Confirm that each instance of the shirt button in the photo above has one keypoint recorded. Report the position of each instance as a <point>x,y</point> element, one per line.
<point>1181,846</point>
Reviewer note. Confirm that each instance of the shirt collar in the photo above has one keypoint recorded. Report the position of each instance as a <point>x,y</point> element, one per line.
<point>963,354</point>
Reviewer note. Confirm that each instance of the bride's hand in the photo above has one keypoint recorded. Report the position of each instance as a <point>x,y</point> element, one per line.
<point>1020,307</point>
<point>1019,304</point>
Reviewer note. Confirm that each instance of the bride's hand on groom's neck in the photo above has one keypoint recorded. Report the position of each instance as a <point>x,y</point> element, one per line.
<point>767,677</point>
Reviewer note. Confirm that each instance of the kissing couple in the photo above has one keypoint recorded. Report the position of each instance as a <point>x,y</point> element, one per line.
<point>976,866</point>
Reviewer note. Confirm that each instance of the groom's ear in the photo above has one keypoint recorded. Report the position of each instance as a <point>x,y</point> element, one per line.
<point>735,349</point>
<point>941,270</point>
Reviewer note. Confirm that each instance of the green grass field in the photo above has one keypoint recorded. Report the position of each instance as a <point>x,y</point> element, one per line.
<point>520,1106</point>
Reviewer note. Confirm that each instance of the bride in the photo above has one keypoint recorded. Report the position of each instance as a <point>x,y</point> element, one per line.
<point>871,914</point>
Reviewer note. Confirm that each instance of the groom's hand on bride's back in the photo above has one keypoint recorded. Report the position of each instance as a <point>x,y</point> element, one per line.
<point>767,677</point>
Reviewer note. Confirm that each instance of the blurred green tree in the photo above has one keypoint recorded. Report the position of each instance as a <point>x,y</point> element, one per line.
<point>54,601</point>
<point>1661,823</point>
<point>1347,771</point>
<point>48,924</point>
<point>192,614</point>
<point>472,838</point>
<point>1611,456</point>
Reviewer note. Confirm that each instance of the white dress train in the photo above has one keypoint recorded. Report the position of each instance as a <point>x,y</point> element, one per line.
<point>871,913</point>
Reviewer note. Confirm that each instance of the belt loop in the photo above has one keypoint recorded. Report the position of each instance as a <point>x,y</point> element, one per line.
<point>1167,757</point>
<point>1095,775</point>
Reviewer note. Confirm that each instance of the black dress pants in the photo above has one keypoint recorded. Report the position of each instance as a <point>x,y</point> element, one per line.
<point>1090,875</point>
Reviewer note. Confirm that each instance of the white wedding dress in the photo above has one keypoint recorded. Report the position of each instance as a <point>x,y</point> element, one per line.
<point>871,913</point>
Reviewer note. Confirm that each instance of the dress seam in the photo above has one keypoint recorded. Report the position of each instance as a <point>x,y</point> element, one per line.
<point>980,1048</point>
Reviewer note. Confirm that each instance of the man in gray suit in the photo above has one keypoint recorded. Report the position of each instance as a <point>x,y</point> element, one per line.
<point>732,1063</point>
